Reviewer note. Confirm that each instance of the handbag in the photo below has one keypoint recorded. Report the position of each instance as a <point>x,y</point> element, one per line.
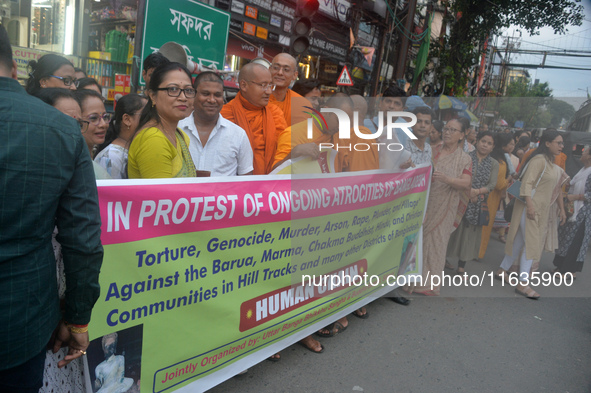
<point>514,192</point>
<point>484,216</point>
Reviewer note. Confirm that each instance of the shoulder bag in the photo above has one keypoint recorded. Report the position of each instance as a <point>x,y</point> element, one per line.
<point>514,192</point>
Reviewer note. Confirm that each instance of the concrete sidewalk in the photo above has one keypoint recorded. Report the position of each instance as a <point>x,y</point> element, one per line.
<point>483,339</point>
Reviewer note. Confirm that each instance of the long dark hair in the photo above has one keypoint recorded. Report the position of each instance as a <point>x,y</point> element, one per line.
<point>501,140</point>
<point>42,69</point>
<point>547,136</point>
<point>126,105</point>
<point>303,87</point>
<point>150,113</point>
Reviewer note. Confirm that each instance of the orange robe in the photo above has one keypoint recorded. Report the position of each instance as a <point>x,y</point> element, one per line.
<point>347,161</point>
<point>294,111</point>
<point>263,126</point>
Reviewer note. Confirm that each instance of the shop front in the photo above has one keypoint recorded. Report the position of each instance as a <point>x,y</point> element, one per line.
<point>38,27</point>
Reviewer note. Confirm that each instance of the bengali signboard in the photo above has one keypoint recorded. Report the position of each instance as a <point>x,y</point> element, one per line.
<point>202,30</point>
<point>203,278</point>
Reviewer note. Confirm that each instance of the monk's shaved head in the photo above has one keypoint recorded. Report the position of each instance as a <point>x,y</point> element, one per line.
<point>256,84</point>
<point>284,70</point>
<point>359,105</point>
<point>250,70</point>
<point>340,101</point>
<point>285,58</point>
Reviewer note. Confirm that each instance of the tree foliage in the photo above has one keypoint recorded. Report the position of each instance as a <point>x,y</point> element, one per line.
<point>475,20</point>
<point>527,103</point>
<point>559,111</point>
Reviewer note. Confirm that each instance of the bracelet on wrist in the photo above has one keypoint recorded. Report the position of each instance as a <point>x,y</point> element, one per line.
<point>76,328</point>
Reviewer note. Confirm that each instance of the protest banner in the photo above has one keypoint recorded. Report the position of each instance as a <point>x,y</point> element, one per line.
<point>202,278</point>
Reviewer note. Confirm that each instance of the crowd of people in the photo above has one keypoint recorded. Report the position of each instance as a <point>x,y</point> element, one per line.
<point>58,138</point>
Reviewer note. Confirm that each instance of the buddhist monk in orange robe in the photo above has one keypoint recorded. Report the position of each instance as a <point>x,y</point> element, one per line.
<point>284,71</point>
<point>262,122</point>
<point>348,160</point>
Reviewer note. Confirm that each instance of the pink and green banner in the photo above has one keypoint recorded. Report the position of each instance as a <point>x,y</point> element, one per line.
<point>202,278</point>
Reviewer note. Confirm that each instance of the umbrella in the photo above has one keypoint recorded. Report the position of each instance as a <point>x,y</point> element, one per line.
<point>446,102</point>
<point>468,115</point>
<point>502,123</point>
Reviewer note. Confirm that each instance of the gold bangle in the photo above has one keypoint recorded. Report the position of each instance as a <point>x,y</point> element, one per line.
<point>78,330</point>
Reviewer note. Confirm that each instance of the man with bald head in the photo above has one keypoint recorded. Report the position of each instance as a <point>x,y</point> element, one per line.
<point>217,145</point>
<point>284,70</point>
<point>262,122</point>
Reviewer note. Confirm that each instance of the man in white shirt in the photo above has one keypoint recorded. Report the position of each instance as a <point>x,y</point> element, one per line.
<point>217,145</point>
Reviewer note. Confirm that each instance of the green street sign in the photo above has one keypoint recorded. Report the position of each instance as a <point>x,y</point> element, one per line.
<point>202,30</point>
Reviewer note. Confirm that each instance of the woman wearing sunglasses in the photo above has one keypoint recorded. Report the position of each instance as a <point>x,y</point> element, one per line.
<point>160,149</point>
<point>51,71</point>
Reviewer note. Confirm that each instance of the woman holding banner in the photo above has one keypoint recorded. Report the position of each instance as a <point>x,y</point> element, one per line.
<point>160,149</point>
<point>452,176</point>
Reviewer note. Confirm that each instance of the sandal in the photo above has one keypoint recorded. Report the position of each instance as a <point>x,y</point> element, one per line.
<point>527,292</point>
<point>448,265</point>
<point>333,329</point>
<point>275,358</point>
<point>502,275</point>
<point>360,314</point>
<point>311,349</point>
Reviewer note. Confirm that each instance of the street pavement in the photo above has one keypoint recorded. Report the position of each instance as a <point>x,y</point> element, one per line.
<point>471,339</point>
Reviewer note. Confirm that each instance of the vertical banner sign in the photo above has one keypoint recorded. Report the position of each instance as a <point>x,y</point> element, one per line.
<point>202,30</point>
<point>203,278</point>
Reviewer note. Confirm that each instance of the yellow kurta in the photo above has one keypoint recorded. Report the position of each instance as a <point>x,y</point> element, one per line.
<point>152,156</point>
<point>493,201</point>
<point>534,229</point>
